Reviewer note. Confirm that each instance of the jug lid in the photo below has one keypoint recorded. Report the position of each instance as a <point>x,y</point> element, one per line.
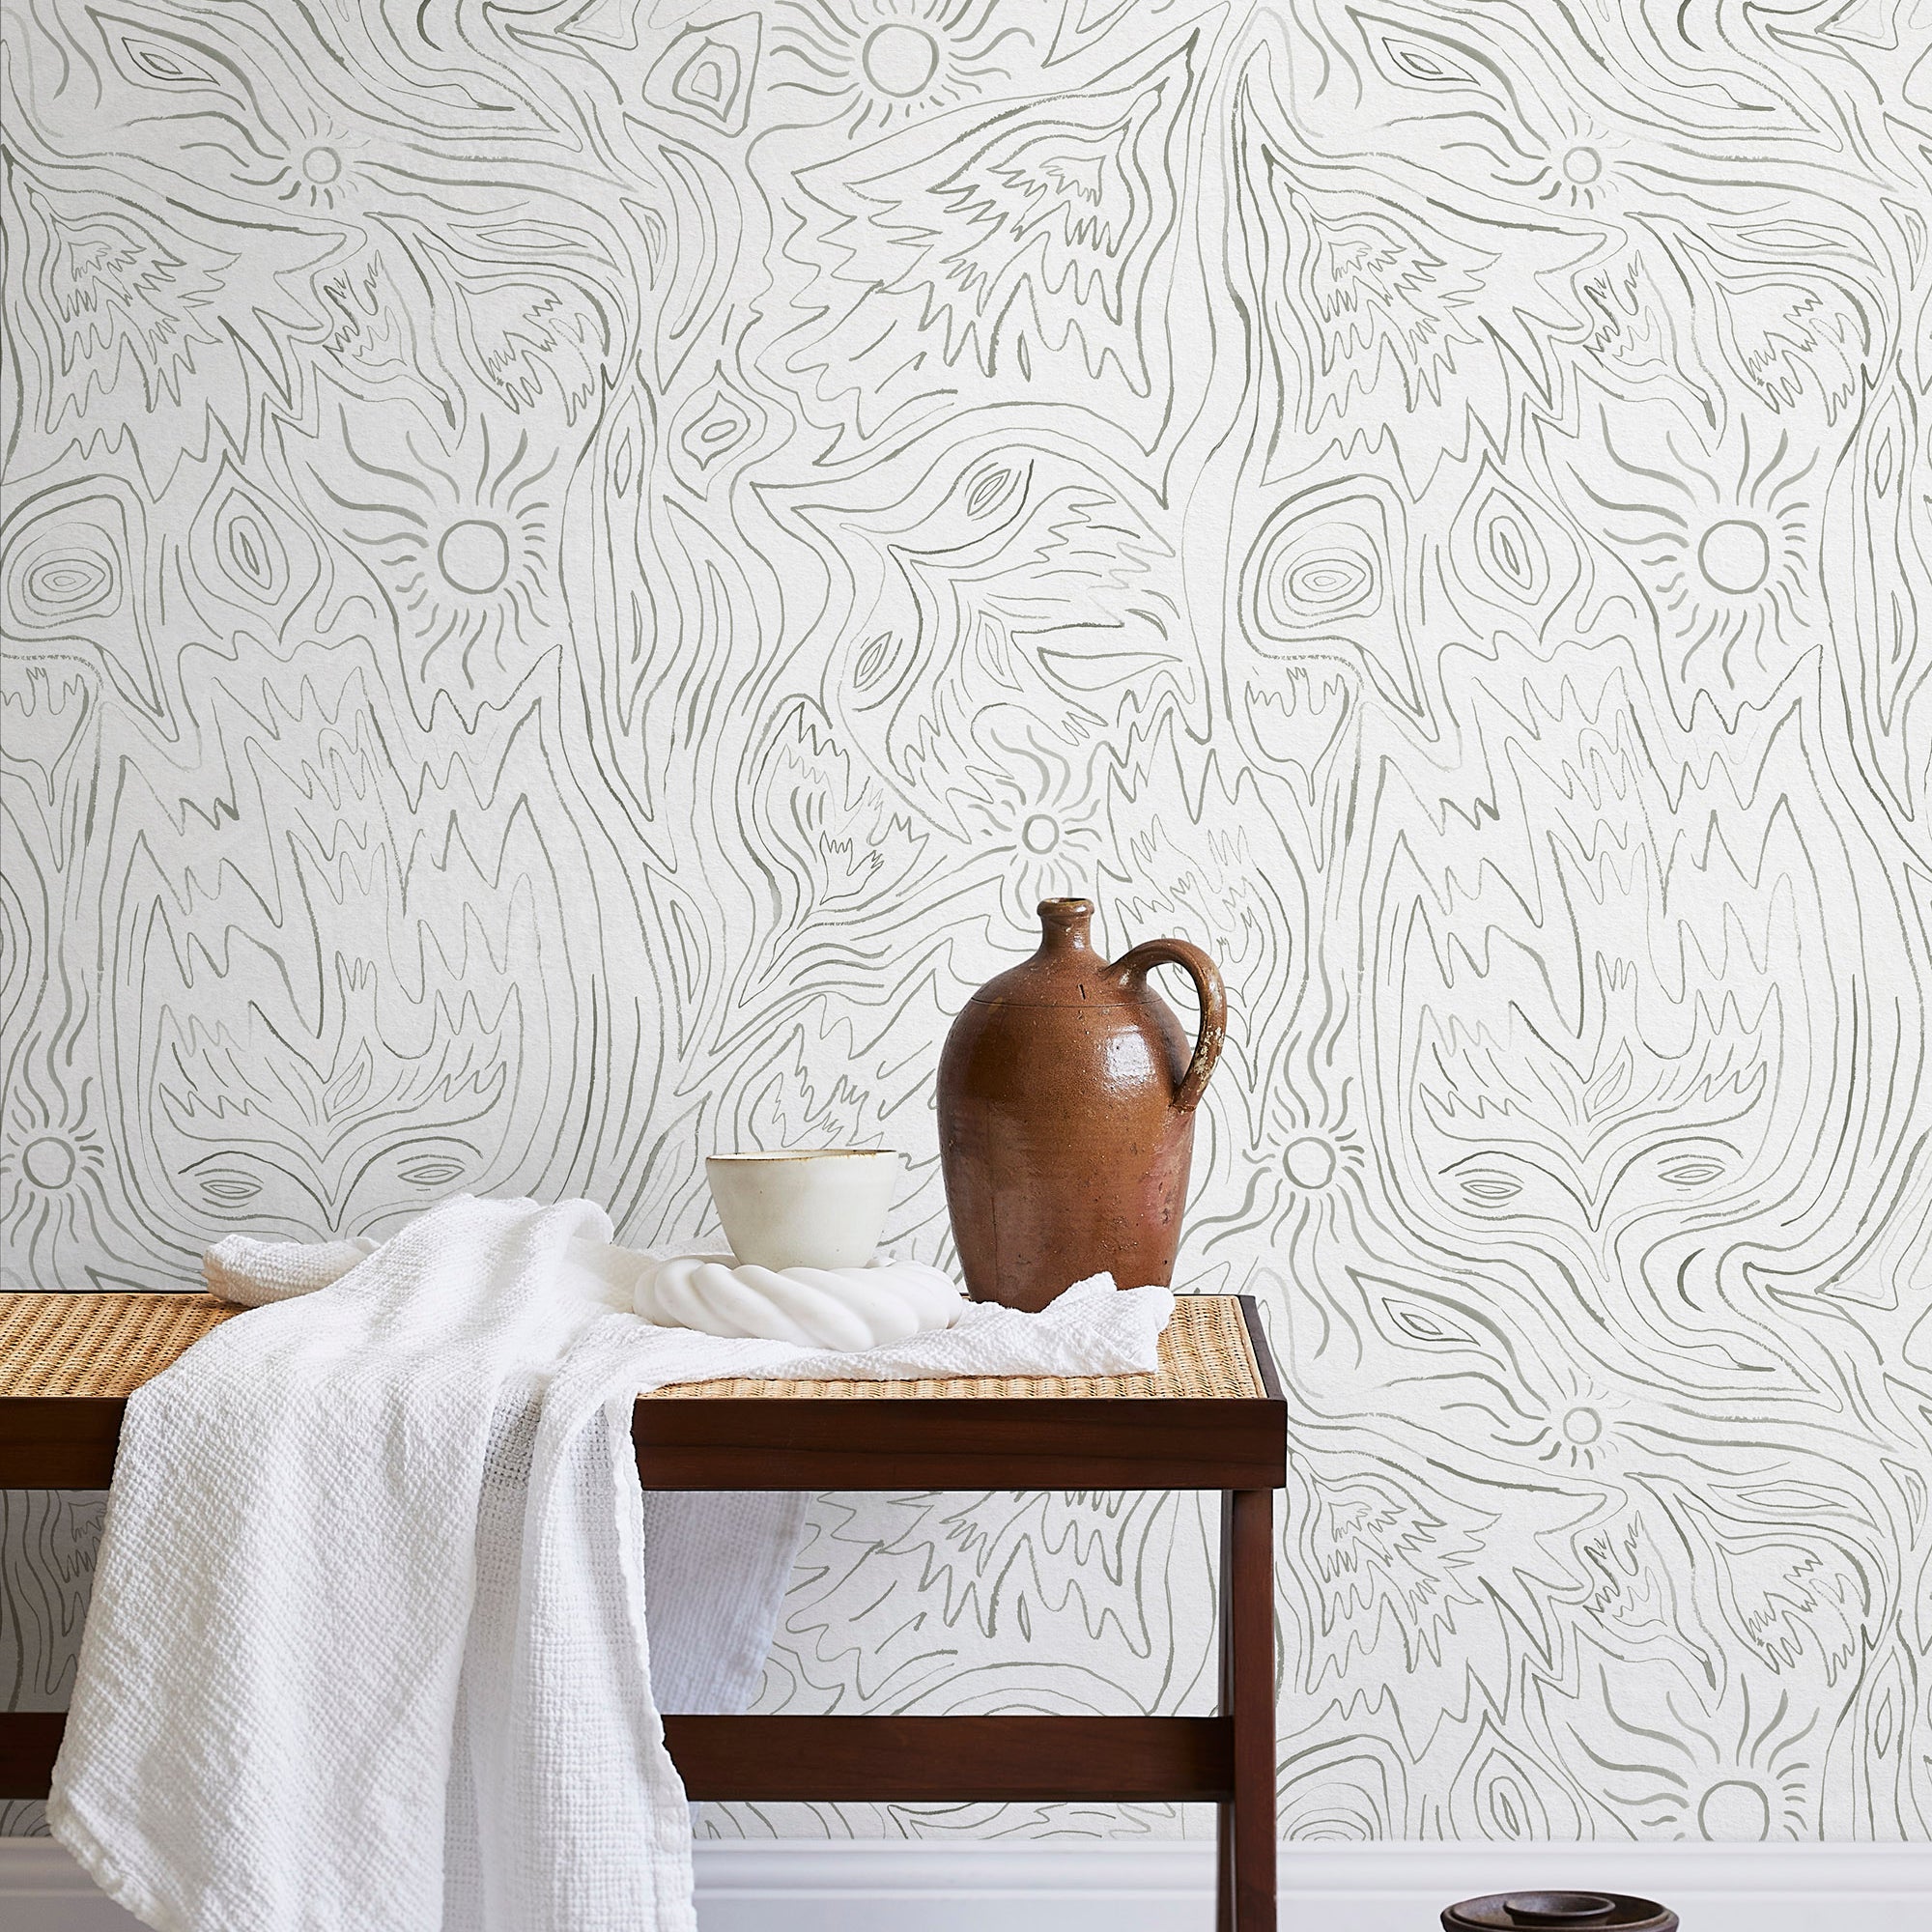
<point>1552,1911</point>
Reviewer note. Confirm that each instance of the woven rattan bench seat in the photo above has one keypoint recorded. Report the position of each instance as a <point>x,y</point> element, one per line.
<point>88,1344</point>
<point>1210,1417</point>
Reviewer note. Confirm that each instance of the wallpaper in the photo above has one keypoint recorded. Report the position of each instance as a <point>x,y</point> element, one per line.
<point>573,568</point>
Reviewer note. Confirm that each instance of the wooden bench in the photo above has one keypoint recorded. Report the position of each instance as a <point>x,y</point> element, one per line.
<point>1212,1418</point>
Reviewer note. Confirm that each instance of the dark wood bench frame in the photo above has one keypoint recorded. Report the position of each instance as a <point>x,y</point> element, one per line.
<point>1237,1446</point>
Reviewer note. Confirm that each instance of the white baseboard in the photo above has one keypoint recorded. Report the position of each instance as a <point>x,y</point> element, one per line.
<point>900,1886</point>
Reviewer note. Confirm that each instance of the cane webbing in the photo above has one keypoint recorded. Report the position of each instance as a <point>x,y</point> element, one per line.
<point>103,1345</point>
<point>108,1344</point>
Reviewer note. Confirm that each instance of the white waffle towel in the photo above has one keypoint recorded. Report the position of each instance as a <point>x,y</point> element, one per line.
<point>367,1649</point>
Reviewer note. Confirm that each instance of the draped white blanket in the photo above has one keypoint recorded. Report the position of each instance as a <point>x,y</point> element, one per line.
<point>367,1650</point>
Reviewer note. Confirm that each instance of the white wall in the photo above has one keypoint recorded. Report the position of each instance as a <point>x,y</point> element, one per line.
<point>933,1888</point>
<point>570,572</point>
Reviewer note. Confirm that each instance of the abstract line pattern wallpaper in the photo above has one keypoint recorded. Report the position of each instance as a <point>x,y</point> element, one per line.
<point>572,570</point>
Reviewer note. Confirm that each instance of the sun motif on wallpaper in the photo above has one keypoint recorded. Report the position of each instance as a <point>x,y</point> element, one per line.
<point>461,542</point>
<point>1724,542</point>
<point>320,169</point>
<point>1305,1170</point>
<point>882,63</point>
<point>1575,1428</point>
<point>1031,802</point>
<point>52,1167</point>
<point>1577,170</point>
<point>1740,1765</point>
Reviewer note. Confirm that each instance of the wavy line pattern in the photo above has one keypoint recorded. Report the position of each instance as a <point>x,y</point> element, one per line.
<point>571,569</point>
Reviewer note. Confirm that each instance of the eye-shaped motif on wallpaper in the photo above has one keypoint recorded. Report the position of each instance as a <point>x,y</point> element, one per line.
<point>73,583</point>
<point>241,1176</point>
<point>1517,1188</point>
<point>246,550</point>
<point>1529,1129</point>
<point>713,432</point>
<point>1509,555</point>
<point>1319,581</point>
<point>708,72</point>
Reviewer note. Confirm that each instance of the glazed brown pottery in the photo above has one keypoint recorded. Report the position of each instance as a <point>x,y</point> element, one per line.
<point>1066,1098</point>
<point>1559,1910</point>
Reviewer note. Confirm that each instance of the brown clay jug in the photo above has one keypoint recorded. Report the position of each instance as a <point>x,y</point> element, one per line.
<point>1066,1098</point>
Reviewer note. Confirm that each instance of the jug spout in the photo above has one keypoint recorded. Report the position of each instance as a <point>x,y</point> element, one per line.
<point>1067,925</point>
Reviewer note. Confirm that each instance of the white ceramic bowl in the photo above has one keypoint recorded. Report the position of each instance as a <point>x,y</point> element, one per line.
<point>822,1207</point>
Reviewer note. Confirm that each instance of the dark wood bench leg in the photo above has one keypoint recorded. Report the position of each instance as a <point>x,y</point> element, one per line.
<point>1245,1888</point>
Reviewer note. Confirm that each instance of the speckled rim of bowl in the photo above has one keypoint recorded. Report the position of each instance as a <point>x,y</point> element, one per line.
<point>804,1153</point>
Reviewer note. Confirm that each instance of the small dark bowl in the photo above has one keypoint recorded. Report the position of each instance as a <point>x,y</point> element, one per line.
<point>1584,1911</point>
<point>1557,1908</point>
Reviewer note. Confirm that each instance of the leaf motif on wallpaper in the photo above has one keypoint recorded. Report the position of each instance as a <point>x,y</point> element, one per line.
<point>527,337</point>
<point>51,717</point>
<point>962,1570</point>
<point>1790,1602</point>
<point>1373,319</point>
<point>1384,1572</point>
<point>1028,248</point>
<point>1632,1593</point>
<point>373,335</point>
<point>123,296</point>
<point>1633,331</point>
<point>1790,331</point>
<point>836,846</point>
<point>1199,847</point>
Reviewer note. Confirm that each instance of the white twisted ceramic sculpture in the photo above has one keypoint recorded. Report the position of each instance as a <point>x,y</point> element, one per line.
<point>817,1308</point>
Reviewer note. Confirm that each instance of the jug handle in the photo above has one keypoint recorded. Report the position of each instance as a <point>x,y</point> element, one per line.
<point>1135,964</point>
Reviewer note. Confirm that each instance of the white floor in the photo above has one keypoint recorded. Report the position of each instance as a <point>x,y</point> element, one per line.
<point>1136,1888</point>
